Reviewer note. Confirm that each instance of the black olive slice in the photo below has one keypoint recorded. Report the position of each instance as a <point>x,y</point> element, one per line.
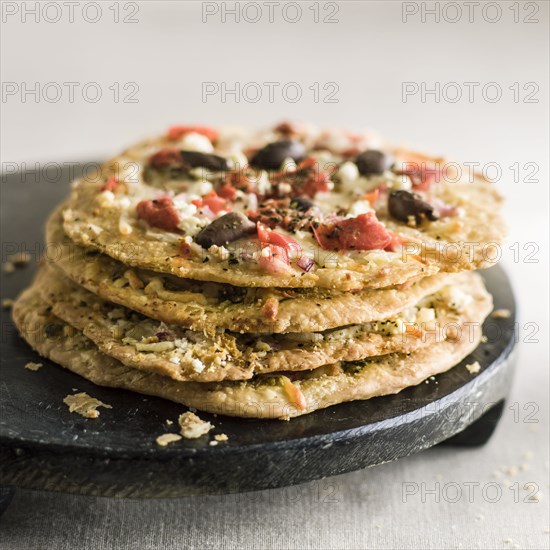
<point>302,204</point>
<point>195,159</point>
<point>224,230</point>
<point>272,156</point>
<point>373,163</point>
<point>404,204</point>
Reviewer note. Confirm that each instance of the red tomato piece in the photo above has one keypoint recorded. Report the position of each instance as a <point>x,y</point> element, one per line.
<point>421,176</point>
<point>213,201</point>
<point>159,213</point>
<point>396,242</point>
<point>372,197</point>
<point>364,232</point>
<point>276,261</point>
<point>227,191</point>
<point>176,132</point>
<point>169,156</point>
<point>111,184</point>
<point>267,236</point>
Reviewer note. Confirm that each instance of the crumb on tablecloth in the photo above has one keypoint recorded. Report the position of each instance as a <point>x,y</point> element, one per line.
<point>221,437</point>
<point>84,404</point>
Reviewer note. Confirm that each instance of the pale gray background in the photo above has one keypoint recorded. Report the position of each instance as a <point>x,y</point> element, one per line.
<point>168,53</point>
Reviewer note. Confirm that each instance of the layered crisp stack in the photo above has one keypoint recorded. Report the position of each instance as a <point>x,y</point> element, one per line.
<point>265,274</point>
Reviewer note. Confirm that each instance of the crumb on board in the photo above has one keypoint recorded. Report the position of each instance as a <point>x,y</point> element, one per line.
<point>33,366</point>
<point>166,439</point>
<point>84,404</point>
<point>501,314</point>
<point>169,422</point>
<point>20,259</point>
<point>473,368</point>
<point>8,267</point>
<point>192,427</point>
<point>221,437</point>
<point>7,303</point>
<point>212,443</point>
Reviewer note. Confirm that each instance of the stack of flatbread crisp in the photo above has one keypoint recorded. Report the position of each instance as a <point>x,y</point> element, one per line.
<point>265,274</point>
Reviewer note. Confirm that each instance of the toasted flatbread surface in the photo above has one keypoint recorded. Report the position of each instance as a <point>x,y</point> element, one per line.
<point>200,305</point>
<point>265,396</point>
<point>182,354</point>
<point>463,236</point>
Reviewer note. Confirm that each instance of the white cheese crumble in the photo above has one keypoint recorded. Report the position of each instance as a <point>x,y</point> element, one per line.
<point>129,171</point>
<point>95,228</point>
<point>263,185</point>
<point>181,343</point>
<point>425,315</point>
<point>192,225</point>
<point>284,188</point>
<point>200,188</point>
<point>124,227</point>
<point>400,326</point>
<point>237,159</point>
<point>198,365</point>
<point>456,298</point>
<point>106,199</point>
<point>288,165</point>
<point>196,142</point>
<point>124,203</point>
<point>399,182</point>
<point>348,174</point>
<point>359,207</point>
<point>219,252</point>
<point>335,141</point>
<point>189,223</point>
<point>185,209</point>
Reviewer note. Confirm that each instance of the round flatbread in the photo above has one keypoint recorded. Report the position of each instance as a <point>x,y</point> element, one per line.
<point>285,211</point>
<point>266,396</point>
<point>200,305</point>
<point>187,355</point>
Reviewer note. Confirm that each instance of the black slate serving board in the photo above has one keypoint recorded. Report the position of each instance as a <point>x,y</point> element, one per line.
<point>43,446</point>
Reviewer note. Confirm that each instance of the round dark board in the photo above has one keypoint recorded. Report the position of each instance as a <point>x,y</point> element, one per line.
<point>43,446</point>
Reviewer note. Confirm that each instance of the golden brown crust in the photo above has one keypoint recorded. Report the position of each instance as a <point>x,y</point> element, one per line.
<point>206,306</point>
<point>450,244</point>
<point>191,355</point>
<point>263,397</point>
